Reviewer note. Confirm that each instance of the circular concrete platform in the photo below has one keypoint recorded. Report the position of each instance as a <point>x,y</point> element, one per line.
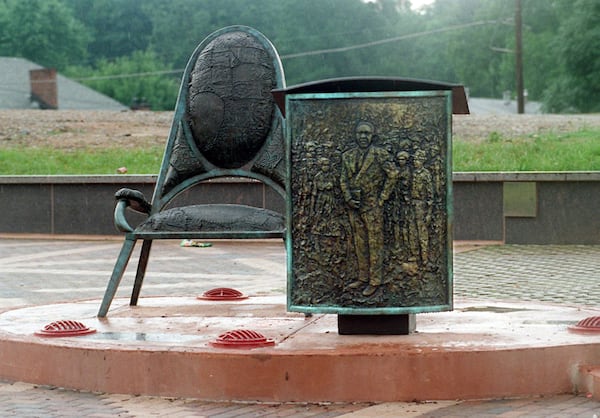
<point>163,347</point>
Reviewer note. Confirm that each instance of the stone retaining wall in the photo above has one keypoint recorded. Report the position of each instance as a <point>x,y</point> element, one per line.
<point>517,208</point>
<point>528,207</point>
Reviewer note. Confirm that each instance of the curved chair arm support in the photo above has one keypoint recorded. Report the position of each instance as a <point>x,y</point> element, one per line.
<point>132,199</point>
<point>135,200</point>
<point>120,218</point>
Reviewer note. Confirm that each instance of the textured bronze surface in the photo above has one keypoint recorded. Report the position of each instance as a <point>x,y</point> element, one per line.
<point>369,206</point>
<point>214,217</point>
<point>229,111</point>
<point>230,103</point>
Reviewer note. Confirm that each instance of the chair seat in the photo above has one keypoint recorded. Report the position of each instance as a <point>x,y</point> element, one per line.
<point>214,218</point>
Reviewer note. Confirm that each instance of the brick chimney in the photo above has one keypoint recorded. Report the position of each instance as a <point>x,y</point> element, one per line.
<point>43,88</point>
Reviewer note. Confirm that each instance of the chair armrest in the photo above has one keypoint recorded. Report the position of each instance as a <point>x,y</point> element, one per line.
<point>119,217</point>
<point>128,198</point>
<point>134,199</point>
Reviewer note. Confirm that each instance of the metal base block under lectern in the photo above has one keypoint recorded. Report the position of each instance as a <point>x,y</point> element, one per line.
<point>377,324</point>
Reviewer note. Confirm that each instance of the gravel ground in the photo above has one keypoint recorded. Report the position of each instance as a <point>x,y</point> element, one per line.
<point>478,127</point>
<point>78,129</point>
<point>93,129</point>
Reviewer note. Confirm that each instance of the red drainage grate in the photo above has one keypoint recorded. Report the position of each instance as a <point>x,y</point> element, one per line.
<point>591,325</point>
<point>66,328</point>
<point>242,338</point>
<point>222,293</point>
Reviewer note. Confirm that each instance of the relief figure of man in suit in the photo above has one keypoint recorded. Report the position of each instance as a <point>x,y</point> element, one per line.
<point>367,179</point>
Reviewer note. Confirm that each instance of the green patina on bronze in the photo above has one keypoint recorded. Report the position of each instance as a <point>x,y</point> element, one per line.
<point>369,202</point>
<point>225,124</point>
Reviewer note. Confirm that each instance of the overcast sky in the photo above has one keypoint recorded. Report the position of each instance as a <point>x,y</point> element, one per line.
<point>416,4</point>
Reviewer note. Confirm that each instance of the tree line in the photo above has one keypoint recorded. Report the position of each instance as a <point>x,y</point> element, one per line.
<point>136,49</point>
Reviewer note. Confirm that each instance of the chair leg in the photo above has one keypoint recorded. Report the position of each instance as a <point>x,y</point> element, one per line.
<point>141,271</point>
<point>116,276</point>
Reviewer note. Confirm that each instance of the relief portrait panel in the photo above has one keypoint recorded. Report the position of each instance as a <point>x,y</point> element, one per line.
<point>369,202</point>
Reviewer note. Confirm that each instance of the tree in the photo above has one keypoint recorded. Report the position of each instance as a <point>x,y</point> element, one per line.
<point>132,79</point>
<point>577,88</point>
<point>44,31</point>
<point>349,28</point>
<point>469,50</point>
<point>464,41</point>
<point>119,27</point>
<point>178,26</point>
<point>540,20</point>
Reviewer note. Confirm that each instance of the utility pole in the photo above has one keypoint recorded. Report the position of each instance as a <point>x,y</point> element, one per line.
<point>519,58</point>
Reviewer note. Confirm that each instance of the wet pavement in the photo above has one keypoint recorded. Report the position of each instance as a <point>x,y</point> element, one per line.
<point>42,271</point>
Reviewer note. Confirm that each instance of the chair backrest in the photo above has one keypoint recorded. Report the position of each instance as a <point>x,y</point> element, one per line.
<point>225,122</point>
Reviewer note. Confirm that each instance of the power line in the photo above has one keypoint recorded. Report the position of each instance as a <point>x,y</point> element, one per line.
<point>144,74</point>
<point>389,40</point>
<point>309,53</point>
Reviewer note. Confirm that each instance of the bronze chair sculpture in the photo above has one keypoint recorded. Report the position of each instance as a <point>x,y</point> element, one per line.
<point>225,124</point>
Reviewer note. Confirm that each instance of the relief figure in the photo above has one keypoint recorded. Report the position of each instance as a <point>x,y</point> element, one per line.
<point>323,206</point>
<point>422,199</point>
<point>367,179</point>
<point>402,215</point>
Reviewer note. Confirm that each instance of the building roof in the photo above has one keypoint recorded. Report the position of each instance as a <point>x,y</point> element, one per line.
<point>15,90</point>
<point>483,106</point>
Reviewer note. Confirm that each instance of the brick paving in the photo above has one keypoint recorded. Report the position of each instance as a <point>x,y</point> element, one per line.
<point>559,406</point>
<point>47,271</point>
<point>26,400</point>
<point>546,273</point>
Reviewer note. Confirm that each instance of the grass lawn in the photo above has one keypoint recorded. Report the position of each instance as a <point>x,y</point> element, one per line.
<point>575,151</point>
<point>48,161</point>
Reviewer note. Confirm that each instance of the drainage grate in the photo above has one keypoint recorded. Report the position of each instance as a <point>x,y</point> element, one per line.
<point>65,328</point>
<point>590,324</point>
<point>242,338</point>
<point>223,293</point>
